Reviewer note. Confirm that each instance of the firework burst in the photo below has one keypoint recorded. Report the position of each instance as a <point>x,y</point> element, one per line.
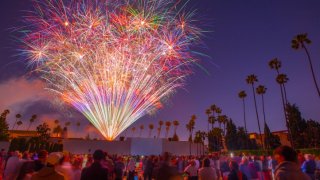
<point>114,61</point>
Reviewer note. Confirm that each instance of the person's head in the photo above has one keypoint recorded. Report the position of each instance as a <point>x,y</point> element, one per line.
<point>77,163</point>
<point>206,162</point>
<point>234,165</point>
<point>285,153</point>
<point>53,159</point>
<point>308,157</point>
<point>26,155</point>
<point>244,160</point>
<point>98,155</point>
<point>193,163</point>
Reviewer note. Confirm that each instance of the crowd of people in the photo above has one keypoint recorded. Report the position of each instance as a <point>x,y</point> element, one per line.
<point>285,163</point>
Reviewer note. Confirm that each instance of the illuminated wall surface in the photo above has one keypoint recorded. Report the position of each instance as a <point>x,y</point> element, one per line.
<point>133,146</point>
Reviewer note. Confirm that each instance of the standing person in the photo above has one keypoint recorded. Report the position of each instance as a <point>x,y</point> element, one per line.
<point>119,168</point>
<point>288,167</point>
<point>76,168</point>
<point>192,170</point>
<point>12,167</point>
<point>40,162</point>
<point>244,168</point>
<point>65,167</point>
<point>131,167</point>
<point>272,164</point>
<point>147,174</point>
<point>49,172</point>
<point>309,166</point>
<point>96,171</point>
<point>235,174</point>
<point>165,171</point>
<point>207,172</point>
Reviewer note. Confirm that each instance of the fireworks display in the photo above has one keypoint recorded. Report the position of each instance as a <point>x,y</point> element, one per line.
<point>115,60</point>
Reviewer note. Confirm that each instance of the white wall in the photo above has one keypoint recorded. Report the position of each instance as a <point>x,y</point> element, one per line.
<point>133,146</point>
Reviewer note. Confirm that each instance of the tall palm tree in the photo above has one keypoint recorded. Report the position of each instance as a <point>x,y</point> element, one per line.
<point>57,130</point>
<point>276,64</point>
<point>283,79</point>
<point>141,129</point>
<point>218,111</point>
<point>300,41</point>
<point>261,90</point>
<point>212,121</point>
<point>151,126</point>
<point>251,79</point>
<point>18,116</point>
<point>175,124</point>
<point>31,120</point>
<point>168,124</point>
<point>208,112</point>
<point>160,127</point>
<point>67,123</point>
<point>133,129</point>
<point>56,121</point>
<point>190,128</point>
<point>19,123</point>
<point>213,109</point>
<point>242,95</point>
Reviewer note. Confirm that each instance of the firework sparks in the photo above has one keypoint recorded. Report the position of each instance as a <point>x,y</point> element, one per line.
<point>113,61</point>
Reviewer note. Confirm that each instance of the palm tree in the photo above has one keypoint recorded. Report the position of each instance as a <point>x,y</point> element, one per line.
<point>175,124</point>
<point>18,116</point>
<point>31,120</point>
<point>276,64</point>
<point>19,123</point>
<point>213,110</point>
<point>160,127</point>
<point>57,130</point>
<point>151,126</point>
<point>141,129</point>
<point>67,123</point>
<point>282,79</point>
<point>168,124</point>
<point>300,41</point>
<point>133,129</point>
<point>56,121</point>
<point>208,112</point>
<point>218,111</point>
<point>190,128</point>
<point>261,90</point>
<point>242,95</point>
<point>251,79</point>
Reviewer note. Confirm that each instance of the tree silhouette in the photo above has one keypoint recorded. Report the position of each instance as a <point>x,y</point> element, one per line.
<point>242,95</point>
<point>31,120</point>
<point>251,79</point>
<point>18,116</point>
<point>151,126</point>
<point>300,41</point>
<point>168,125</point>
<point>141,129</point>
<point>160,127</point>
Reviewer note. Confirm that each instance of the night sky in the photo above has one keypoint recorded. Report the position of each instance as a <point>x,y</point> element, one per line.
<point>243,35</point>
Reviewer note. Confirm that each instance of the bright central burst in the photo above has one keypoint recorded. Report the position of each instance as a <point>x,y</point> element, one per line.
<point>114,61</point>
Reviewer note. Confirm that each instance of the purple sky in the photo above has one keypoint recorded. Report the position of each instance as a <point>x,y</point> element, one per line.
<point>244,36</point>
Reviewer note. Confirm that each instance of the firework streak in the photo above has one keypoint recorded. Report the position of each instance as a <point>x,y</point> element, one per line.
<point>114,61</point>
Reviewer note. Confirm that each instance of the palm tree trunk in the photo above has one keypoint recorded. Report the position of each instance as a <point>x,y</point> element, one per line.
<point>255,105</point>
<point>208,122</point>
<point>264,120</point>
<point>159,132</point>
<point>14,124</point>
<point>244,115</point>
<point>29,126</point>
<point>285,116</point>
<point>311,67</point>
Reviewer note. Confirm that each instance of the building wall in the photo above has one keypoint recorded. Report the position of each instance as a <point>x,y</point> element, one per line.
<point>132,146</point>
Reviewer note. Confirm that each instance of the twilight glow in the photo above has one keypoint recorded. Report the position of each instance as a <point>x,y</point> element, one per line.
<point>114,61</point>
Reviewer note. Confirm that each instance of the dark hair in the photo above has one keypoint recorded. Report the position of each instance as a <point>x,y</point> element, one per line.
<point>98,155</point>
<point>42,154</point>
<point>206,162</point>
<point>234,165</point>
<point>287,152</point>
